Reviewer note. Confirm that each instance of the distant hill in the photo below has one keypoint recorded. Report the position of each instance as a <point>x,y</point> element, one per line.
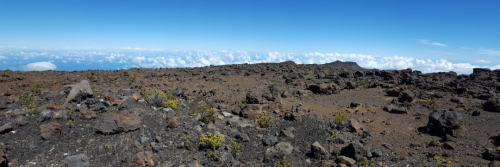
<point>347,65</point>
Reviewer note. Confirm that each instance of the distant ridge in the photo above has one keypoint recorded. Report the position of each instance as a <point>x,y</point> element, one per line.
<point>346,65</point>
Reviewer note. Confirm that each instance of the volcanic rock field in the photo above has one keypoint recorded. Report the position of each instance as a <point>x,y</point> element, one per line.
<point>271,114</point>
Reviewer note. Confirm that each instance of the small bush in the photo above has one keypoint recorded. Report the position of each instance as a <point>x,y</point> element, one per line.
<point>341,116</point>
<point>212,141</point>
<point>236,148</point>
<point>431,101</point>
<point>207,113</point>
<point>334,135</point>
<point>36,87</point>
<point>132,78</point>
<point>282,163</point>
<point>264,121</point>
<point>28,100</point>
<point>271,86</point>
<point>172,103</point>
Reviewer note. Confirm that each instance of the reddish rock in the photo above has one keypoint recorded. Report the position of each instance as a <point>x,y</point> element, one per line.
<point>143,159</point>
<point>113,123</point>
<point>172,122</point>
<point>87,114</point>
<point>110,97</point>
<point>48,130</point>
<point>52,105</point>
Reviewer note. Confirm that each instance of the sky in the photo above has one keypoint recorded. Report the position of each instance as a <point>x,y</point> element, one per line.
<point>426,35</point>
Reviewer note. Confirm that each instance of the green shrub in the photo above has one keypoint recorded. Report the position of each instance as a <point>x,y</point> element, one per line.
<point>334,135</point>
<point>207,113</point>
<point>431,101</point>
<point>341,116</point>
<point>282,163</point>
<point>236,148</point>
<point>264,121</point>
<point>36,87</point>
<point>212,141</point>
<point>132,78</point>
<point>271,86</point>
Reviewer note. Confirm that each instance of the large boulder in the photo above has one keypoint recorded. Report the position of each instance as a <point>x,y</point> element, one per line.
<point>444,122</point>
<point>324,88</point>
<point>395,109</point>
<point>280,149</point>
<point>406,96</point>
<point>79,92</point>
<point>113,123</point>
<point>492,154</point>
<point>254,97</point>
<point>319,151</point>
<point>252,111</point>
<point>356,151</point>
<point>493,105</point>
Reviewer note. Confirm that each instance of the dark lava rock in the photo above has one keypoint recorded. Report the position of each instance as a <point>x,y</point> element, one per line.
<point>79,92</point>
<point>492,154</point>
<point>319,151</point>
<point>270,140</point>
<point>444,122</point>
<point>324,88</point>
<point>395,109</point>
<point>493,105</point>
<point>406,96</point>
<point>356,151</point>
<point>5,128</point>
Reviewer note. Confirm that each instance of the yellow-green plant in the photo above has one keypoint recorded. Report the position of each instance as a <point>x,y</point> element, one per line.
<point>264,121</point>
<point>271,86</point>
<point>334,135</point>
<point>28,100</point>
<point>132,78</point>
<point>364,162</point>
<point>431,101</point>
<point>213,141</point>
<point>341,116</point>
<point>72,122</point>
<point>169,100</point>
<point>207,113</point>
<point>236,148</point>
<point>193,112</point>
<point>282,163</point>
<point>36,87</point>
<point>438,160</point>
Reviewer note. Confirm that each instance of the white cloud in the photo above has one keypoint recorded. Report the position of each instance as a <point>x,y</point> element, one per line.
<point>438,44</point>
<point>424,41</point>
<point>483,61</point>
<point>465,48</point>
<point>172,59</point>
<point>40,66</point>
<point>3,57</point>
<point>489,52</point>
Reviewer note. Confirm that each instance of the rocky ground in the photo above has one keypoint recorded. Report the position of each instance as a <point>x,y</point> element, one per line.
<point>285,114</point>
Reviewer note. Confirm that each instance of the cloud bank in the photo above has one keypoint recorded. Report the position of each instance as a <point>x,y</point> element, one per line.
<point>119,59</point>
<point>40,66</point>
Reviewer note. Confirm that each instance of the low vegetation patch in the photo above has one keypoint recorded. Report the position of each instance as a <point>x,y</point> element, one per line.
<point>341,116</point>
<point>264,121</point>
<point>213,141</point>
<point>207,113</point>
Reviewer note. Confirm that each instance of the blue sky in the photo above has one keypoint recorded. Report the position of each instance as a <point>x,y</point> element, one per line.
<point>457,31</point>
